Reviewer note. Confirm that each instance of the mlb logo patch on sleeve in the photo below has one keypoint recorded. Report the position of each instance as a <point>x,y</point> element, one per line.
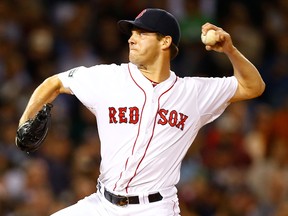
<point>72,71</point>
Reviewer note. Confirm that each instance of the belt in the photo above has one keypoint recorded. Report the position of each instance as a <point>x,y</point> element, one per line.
<point>125,200</point>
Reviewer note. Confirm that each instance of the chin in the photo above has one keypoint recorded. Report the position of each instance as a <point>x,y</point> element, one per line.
<point>133,60</point>
<point>136,60</point>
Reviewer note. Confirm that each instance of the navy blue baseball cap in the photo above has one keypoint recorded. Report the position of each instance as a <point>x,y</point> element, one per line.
<point>155,20</point>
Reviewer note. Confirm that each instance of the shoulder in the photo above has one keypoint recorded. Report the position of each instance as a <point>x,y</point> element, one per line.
<point>96,70</point>
<point>208,80</point>
<point>106,68</point>
<point>207,85</point>
<point>109,66</point>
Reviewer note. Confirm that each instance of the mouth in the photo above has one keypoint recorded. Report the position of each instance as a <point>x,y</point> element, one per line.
<point>132,48</point>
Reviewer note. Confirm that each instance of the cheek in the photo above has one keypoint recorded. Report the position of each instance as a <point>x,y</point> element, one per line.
<point>153,53</point>
<point>151,49</point>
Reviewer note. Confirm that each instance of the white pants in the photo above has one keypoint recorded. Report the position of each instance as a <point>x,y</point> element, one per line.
<point>97,205</point>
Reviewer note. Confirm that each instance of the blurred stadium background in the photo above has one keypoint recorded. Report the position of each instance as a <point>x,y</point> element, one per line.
<point>238,165</point>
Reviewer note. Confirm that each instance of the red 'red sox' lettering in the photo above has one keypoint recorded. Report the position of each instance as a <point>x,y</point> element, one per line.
<point>119,115</point>
<point>173,118</point>
<point>131,115</point>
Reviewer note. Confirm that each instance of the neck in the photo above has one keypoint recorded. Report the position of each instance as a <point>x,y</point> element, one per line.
<point>157,73</point>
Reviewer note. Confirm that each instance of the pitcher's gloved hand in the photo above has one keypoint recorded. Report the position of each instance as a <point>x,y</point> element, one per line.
<point>32,133</point>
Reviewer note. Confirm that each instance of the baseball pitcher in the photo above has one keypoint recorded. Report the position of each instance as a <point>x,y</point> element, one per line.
<point>147,117</point>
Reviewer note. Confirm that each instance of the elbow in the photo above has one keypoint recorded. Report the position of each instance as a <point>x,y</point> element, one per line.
<point>254,91</point>
<point>54,84</point>
<point>263,87</point>
<point>258,90</point>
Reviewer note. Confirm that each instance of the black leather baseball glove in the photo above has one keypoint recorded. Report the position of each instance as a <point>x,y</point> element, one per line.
<point>31,134</point>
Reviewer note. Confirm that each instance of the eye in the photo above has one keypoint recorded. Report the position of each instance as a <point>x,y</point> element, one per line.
<point>137,32</point>
<point>146,33</point>
<point>142,32</point>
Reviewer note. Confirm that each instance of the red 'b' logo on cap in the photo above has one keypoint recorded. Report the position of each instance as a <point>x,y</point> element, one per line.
<point>141,14</point>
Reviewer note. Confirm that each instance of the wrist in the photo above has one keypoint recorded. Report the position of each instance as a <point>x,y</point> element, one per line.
<point>23,119</point>
<point>231,51</point>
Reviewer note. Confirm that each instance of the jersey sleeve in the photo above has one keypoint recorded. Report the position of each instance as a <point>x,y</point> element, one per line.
<point>214,95</point>
<point>88,83</point>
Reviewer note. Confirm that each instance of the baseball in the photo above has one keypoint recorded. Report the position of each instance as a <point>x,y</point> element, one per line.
<point>210,38</point>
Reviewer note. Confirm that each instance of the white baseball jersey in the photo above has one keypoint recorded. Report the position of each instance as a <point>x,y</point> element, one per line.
<point>145,131</point>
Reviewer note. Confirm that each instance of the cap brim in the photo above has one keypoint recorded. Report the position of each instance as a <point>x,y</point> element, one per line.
<point>126,26</point>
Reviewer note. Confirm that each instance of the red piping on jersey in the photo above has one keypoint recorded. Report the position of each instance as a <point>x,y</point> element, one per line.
<point>135,173</point>
<point>138,127</point>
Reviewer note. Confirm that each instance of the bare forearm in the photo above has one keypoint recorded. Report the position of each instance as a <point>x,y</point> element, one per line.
<point>247,74</point>
<point>44,93</point>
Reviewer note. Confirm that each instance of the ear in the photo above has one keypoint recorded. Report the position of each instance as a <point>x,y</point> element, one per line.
<point>166,42</point>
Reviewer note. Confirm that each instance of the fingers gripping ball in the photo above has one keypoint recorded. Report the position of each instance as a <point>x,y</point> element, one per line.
<point>32,133</point>
<point>210,38</point>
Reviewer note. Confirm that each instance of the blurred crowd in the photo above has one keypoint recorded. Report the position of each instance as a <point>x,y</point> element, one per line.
<point>237,166</point>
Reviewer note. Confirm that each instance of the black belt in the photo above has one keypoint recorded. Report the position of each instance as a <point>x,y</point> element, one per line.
<point>125,200</point>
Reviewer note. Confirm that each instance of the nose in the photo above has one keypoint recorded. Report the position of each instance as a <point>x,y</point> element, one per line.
<point>132,39</point>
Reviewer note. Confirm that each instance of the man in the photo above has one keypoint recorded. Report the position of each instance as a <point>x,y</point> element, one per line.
<point>147,116</point>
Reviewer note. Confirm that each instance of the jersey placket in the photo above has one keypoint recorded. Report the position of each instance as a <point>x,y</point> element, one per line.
<point>138,154</point>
